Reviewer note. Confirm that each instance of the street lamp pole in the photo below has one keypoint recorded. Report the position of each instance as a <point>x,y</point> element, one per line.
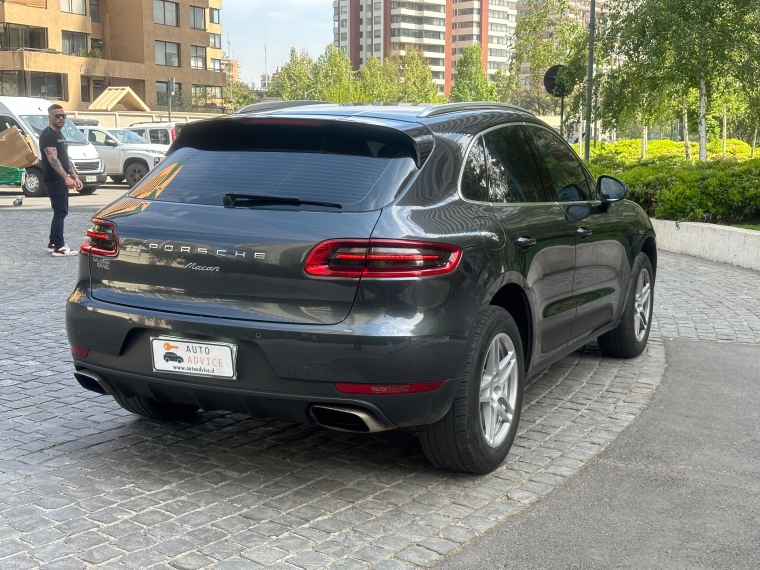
<point>590,80</point>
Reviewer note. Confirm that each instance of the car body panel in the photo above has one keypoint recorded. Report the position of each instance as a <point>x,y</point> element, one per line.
<point>297,336</point>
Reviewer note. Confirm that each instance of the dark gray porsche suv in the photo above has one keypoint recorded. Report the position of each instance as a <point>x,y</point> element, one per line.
<point>361,268</point>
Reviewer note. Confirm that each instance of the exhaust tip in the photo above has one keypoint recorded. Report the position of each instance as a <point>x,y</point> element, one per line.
<point>346,419</point>
<point>94,382</point>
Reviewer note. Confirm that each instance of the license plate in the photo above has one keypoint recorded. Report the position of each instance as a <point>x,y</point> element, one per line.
<point>178,356</point>
<point>90,178</point>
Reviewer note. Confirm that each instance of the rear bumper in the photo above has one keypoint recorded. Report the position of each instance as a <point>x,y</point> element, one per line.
<point>282,369</point>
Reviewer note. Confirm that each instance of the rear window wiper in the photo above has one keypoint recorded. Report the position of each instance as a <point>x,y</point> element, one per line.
<point>254,200</point>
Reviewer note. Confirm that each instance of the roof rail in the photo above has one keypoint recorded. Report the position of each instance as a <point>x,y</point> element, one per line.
<point>447,108</point>
<point>274,105</point>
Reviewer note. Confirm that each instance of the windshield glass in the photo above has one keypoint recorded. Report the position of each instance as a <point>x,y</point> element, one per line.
<point>37,124</point>
<point>128,136</point>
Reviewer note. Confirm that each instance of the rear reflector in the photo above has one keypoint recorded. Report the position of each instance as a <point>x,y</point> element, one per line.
<point>79,351</point>
<point>381,258</point>
<point>414,388</point>
<point>104,240</point>
<point>174,135</point>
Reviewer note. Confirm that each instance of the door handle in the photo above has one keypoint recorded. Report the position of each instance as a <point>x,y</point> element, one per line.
<point>583,232</point>
<point>525,242</point>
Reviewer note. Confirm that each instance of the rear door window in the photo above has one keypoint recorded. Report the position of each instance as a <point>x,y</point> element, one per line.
<point>512,172</point>
<point>568,181</point>
<point>159,136</point>
<point>356,167</point>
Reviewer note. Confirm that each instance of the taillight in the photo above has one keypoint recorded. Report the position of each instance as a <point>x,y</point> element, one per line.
<point>381,258</point>
<point>104,241</point>
<point>79,351</point>
<point>174,135</point>
<point>413,388</point>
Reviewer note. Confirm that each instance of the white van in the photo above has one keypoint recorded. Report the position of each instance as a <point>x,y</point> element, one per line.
<point>30,115</point>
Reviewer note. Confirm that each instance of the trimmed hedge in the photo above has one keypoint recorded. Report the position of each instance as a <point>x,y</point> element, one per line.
<point>627,152</point>
<point>720,191</point>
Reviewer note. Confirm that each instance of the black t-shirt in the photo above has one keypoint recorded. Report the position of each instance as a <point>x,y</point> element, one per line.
<point>51,138</point>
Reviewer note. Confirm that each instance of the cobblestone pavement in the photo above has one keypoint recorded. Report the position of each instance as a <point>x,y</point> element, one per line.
<point>85,484</point>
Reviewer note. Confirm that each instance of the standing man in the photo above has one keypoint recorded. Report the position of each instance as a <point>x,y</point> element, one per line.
<point>59,175</point>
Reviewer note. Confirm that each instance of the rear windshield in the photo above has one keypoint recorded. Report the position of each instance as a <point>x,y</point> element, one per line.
<point>358,167</point>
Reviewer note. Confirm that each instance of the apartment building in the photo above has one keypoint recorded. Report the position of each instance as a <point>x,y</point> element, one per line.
<point>70,51</point>
<point>441,28</point>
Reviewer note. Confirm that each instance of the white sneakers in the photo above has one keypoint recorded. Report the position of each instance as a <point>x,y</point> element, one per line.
<point>64,251</point>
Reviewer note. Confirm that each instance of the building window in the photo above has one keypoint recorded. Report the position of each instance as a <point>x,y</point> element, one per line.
<point>166,13</point>
<point>9,83</point>
<point>16,36</point>
<point>167,53</point>
<point>377,33</point>
<point>203,94</point>
<point>197,57</point>
<point>197,18</point>
<point>377,6</point>
<point>344,23</point>
<point>377,47</point>
<point>162,94</point>
<point>46,85</point>
<point>73,6</point>
<point>336,38</point>
<point>344,9</point>
<point>216,65</point>
<point>85,90</point>
<point>215,40</point>
<point>214,15</point>
<point>95,11</point>
<point>215,92</point>
<point>377,19</point>
<point>344,36</point>
<point>96,46</point>
<point>74,43</point>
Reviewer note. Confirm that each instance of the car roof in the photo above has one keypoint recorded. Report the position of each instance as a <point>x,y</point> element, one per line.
<point>416,113</point>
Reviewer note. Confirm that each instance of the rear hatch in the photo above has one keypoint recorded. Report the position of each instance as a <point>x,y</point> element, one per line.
<point>222,227</point>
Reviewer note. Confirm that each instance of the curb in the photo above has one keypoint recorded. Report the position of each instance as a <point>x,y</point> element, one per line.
<point>710,241</point>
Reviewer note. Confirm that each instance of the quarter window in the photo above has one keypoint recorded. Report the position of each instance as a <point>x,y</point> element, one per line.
<point>512,172</point>
<point>568,181</point>
<point>474,178</point>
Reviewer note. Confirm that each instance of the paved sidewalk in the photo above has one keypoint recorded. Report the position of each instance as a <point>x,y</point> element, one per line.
<point>678,489</point>
<point>83,482</point>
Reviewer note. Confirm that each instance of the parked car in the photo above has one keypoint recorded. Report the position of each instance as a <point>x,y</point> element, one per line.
<point>126,154</point>
<point>30,115</point>
<point>363,269</point>
<point>157,133</point>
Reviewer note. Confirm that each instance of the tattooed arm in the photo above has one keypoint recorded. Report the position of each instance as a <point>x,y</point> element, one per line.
<point>52,155</point>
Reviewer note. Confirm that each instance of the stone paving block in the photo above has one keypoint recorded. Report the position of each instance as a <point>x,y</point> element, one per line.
<point>84,477</point>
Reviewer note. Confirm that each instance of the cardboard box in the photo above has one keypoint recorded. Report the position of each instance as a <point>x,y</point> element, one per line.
<point>16,149</point>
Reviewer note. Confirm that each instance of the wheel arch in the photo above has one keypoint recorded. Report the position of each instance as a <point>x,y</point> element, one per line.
<point>512,298</point>
<point>649,248</point>
<point>131,160</point>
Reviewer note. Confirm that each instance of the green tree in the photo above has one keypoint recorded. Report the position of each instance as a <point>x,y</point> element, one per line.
<point>471,82</point>
<point>295,78</point>
<point>333,76</point>
<point>417,84</point>
<point>377,81</point>
<point>505,84</point>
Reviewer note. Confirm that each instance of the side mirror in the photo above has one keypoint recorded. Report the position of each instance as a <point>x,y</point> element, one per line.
<point>610,189</point>
<point>111,142</point>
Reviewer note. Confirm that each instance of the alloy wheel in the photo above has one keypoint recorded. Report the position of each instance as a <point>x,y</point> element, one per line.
<point>643,302</point>
<point>498,390</point>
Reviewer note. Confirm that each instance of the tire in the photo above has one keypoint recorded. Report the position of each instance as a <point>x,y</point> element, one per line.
<point>87,190</point>
<point>135,172</point>
<point>34,185</point>
<point>459,441</point>
<point>117,179</point>
<point>630,337</point>
<point>149,408</point>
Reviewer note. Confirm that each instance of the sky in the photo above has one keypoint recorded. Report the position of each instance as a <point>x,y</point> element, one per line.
<point>283,24</point>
